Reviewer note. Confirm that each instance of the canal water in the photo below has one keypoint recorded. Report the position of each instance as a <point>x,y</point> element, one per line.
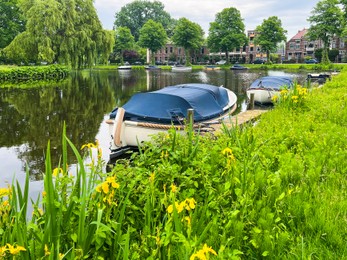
<point>30,117</point>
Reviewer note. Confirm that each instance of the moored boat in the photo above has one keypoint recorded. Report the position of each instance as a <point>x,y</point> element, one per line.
<point>265,88</point>
<point>238,67</point>
<point>147,114</point>
<point>181,68</point>
<point>124,67</point>
<point>152,67</point>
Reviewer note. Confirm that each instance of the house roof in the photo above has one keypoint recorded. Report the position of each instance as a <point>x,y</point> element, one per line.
<point>300,34</point>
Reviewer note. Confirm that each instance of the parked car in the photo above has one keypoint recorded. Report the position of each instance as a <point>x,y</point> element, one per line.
<point>258,61</point>
<point>221,62</point>
<point>137,63</point>
<point>311,61</point>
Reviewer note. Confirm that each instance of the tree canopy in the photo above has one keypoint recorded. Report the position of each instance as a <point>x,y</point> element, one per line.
<point>152,36</point>
<point>63,31</point>
<point>11,21</point>
<point>227,31</point>
<point>326,21</point>
<point>269,34</point>
<point>124,41</point>
<point>135,14</point>
<point>188,35</point>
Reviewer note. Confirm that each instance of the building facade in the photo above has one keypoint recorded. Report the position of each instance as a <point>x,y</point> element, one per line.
<point>295,50</point>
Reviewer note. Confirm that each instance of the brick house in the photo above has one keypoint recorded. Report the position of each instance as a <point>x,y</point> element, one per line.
<point>170,52</point>
<point>298,47</point>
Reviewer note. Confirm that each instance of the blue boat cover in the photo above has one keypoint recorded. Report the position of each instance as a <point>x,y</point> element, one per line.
<point>170,104</point>
<point>273,82</point>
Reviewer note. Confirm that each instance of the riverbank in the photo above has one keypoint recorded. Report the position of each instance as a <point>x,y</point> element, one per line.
<point>291,67</point>
<point>276,189</point>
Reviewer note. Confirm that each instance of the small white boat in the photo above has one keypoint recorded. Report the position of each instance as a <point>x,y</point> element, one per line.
<point>150,113</point>
<point>266,87</point>
<point>181,68</point>
<point>124,67</point>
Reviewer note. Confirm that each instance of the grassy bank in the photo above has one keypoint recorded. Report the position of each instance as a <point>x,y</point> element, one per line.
<point>292,67</point>
<point>274,190</point>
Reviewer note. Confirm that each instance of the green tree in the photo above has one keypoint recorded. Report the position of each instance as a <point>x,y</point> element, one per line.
<point>135,14</point>
<point>269,34</point>
<point>11,21</point>
<point>124,41</point>
<point>227,32</point>
<point>153,37</point>
<point>63,31</point>
<point>326,21</point>
<point>188,35</point>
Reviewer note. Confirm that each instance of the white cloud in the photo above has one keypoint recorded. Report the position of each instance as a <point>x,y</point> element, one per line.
<point>293,14</point>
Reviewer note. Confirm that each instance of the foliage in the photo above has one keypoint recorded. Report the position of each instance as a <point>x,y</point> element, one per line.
<point>11,74</point>
<point>333,54</point>
<point>11,21</point>
<point>269,34</point>
<point>135,14</point>
<point>227,32</point>
<point>66,32</point>
<point>188,35</point>
<point>124,41</point>
<point>326,22</point>
<point>152,36</point>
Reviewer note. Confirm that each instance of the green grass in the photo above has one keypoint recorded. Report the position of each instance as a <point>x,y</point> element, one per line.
<point>275,190</point>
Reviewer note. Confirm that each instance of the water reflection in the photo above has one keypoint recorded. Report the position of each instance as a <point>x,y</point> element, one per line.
<point>33,116</point>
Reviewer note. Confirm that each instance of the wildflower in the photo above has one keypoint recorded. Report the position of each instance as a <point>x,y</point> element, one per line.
<point>187,204</point>
<point>152,177</point>
<point>227,151</point>
<point>5,203</point>
<point>173,188</point>
<point>170,209</point>
<point>283,92</point>
<point>56,171</point>
<point>201,254</point>
<point>190,203</point>
<point>3,250</point>
<point>89,145</point>
<point>188,220</point>
<point>47,251</point>
<point>44,194</point>
<point>274,98</point>
<point>14,250</point>
<point>5,192</point>
<point>105,186</point>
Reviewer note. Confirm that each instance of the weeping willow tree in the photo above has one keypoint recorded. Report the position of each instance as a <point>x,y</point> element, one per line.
<point>61,31</point>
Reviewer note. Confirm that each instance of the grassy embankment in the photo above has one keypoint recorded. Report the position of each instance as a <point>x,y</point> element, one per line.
<point>294,67</point>
<point>275,190</point>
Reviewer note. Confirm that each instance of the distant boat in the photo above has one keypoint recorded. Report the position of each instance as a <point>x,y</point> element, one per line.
<point>238,67</point>
<point>319,78</point>
<point>181,68</point>
<point>124,67</point>
<point>266,87</point>
<point>149,113</point>
<point>152,67</point>
<point>212,67</point>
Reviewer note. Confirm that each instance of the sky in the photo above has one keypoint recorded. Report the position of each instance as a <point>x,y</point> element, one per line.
<point>293,13</point>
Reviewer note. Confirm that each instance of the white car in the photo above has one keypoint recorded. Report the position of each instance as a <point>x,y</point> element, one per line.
<point>221,62</point>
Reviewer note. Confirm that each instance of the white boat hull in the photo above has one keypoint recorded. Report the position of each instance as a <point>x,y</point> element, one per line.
<point>262,96</point>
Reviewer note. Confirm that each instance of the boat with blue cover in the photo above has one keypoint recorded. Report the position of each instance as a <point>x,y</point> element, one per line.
<point>266,87</point>
<point>150,113</point>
